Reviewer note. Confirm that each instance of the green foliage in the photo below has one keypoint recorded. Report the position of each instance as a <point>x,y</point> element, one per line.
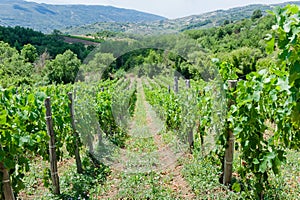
<point>29,53</point>
<point>64,68</point>
<point>286,39</point>
<point>99,63</point>
<point>263,97</point>
<point>84,185</point>
<point>201,66</point>
<point>23,128</point>
<point>265,118</point>
<point>243,33</point>
<point>166,103</point>
<point>256,14</point>
<point>227,71</point>
<point>243,60</point>
<point>144,186</point>
<point>106,34</point>
<point>197,25</point>
<point>13,68</point>
<point>266,99</point>
<point>203,174</point>
<point>54,44</point>
<point>114,106</point>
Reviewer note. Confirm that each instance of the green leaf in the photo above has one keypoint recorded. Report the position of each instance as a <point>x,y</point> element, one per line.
<point>293,9</point>
<point>237,130</point>
<point>283,85</point>
<point>271,155</point>
<point>256,96</point>
<point>270,45</point>
<point>236,187</point>
<point>3,115</point>
<point>263,166</point>
<point>255,161</point>
<point>9,163</point>
<point>2,155</point>
<point>287,27</point>
<point>24,139</point>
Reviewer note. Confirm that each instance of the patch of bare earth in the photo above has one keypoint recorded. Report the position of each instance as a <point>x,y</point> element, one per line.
<point>77,40</point>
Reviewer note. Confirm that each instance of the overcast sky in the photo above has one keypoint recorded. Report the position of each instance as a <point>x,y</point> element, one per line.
<point>167,8</point>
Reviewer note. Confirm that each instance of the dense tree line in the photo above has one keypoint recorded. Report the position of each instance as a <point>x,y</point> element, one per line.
<point>248,32</point>
<point>191,53</point>
<point>26,67</point>
<point>33,57</point>
<point>54,44</point>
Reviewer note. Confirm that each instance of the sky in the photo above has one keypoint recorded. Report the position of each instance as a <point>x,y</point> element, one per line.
<point>167,8</point>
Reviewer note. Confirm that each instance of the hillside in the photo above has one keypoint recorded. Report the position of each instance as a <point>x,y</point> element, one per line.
<point>204,20</point>
<point>46,18</point>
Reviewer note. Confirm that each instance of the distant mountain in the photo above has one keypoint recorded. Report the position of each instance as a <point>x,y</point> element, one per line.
<point>210,19</point>
<point>46,18</point>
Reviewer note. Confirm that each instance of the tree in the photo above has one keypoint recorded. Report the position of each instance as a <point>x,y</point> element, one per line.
<point>256,14</point>
<point>56,32</point>
<point>29,53</point>
<point>226,21</point>
<point>243,59</point>
<point>64,68</point>
<point>13,68</point>
<point>99,62</point>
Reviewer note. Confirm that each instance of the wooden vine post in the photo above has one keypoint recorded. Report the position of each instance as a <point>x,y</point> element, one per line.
<point>99,133</point>
<point>52,152</point>
<point>190,130</point>
<point>176,84</point>
<point>230,143</point>
<point>188,84</point>
<point>7,189</point>
<point>75,133</point>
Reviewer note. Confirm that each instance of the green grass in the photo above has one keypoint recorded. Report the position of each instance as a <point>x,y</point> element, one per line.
<point>203,174</point>
<point>144,186</point>
<point>287,185</point>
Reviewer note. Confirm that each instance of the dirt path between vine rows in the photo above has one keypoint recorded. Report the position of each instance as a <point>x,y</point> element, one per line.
<point>167,157</point>
<point>167,165</point>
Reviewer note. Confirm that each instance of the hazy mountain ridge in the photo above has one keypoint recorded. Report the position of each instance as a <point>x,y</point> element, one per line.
<point>46,17</point>
<point>205,20</point>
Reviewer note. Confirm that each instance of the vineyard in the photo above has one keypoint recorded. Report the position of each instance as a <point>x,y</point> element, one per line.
<point>158,134</point>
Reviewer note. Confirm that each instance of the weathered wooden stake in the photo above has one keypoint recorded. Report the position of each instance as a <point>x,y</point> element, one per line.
<point>52,152</point>
<point>74,95</point>
<point>7,189</point>
<point>230,144</point>
<point>191,139</point>
<point>188,84</point>
<point>75,133</point>
<point>99,134</point>
<point>176,84</point>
